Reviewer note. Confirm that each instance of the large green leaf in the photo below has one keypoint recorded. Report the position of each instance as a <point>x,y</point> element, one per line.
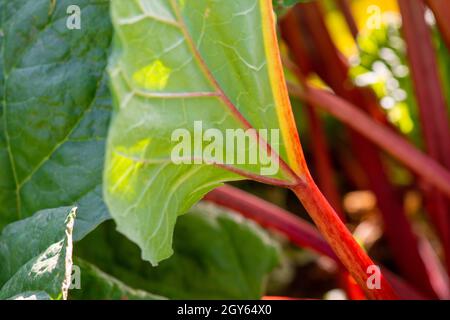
<point>174,63</point>
<point>55,109</point>
<point>218,255</point>
<point>36,254</point>
<point>97,285</point>
<point>4,158</point>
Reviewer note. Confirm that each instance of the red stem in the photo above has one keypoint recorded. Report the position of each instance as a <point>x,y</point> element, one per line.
<point>398,147</point>
<point>432,106</point>
<point>321,153</point>
<point>347,13</point>
<point>331,67</point>
<point>340,239</point>
<point>351,287</point>
<point>309,27</point>
<point>342,242</point>
<point>322,161</point>
<point>268,215</point>
<point>442,15</point>
<point>295,229</point>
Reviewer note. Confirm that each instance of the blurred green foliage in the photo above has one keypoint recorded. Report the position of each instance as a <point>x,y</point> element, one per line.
<point>381,65</point>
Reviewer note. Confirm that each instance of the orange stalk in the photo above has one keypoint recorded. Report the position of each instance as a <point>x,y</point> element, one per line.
<point>442,14</point>
<point>341,240</point>
<point>330,65</point>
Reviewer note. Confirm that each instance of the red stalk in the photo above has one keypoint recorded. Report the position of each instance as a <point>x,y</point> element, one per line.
<point>295,229</point>
<point>268,215</point>
<point>398,147</point>
<point>351,287</point>
<point>309,28</point>
<point>442,15</point>
<point>322,161</point>
<point>319,146</point>
<point>353,171</point>
<point>347,13</point>
<point>327,184</point>
<point>330,66</point>
<point>425,74</point>
<point>335,233</point>
<point>342,241</point>
<point>289,30</point>
<point>432,106</point>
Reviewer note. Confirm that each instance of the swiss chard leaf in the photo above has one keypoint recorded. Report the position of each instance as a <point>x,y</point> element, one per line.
<point>97,285</point>
<point>36,254</point>
<point>176,63</point>
<point>218,255</point>
<point>54,110</point>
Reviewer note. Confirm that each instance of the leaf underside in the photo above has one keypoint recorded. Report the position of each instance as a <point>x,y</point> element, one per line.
<point>211,65</point>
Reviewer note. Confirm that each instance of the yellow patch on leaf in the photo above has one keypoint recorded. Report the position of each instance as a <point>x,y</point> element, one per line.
<point>125,164</point>
<point>153,77</point>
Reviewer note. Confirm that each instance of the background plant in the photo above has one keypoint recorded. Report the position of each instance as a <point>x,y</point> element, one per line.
<point>168,56</point>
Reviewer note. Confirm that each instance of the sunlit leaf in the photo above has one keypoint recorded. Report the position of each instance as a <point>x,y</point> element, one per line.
<point>216,67</point>
<point>36,254</point>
